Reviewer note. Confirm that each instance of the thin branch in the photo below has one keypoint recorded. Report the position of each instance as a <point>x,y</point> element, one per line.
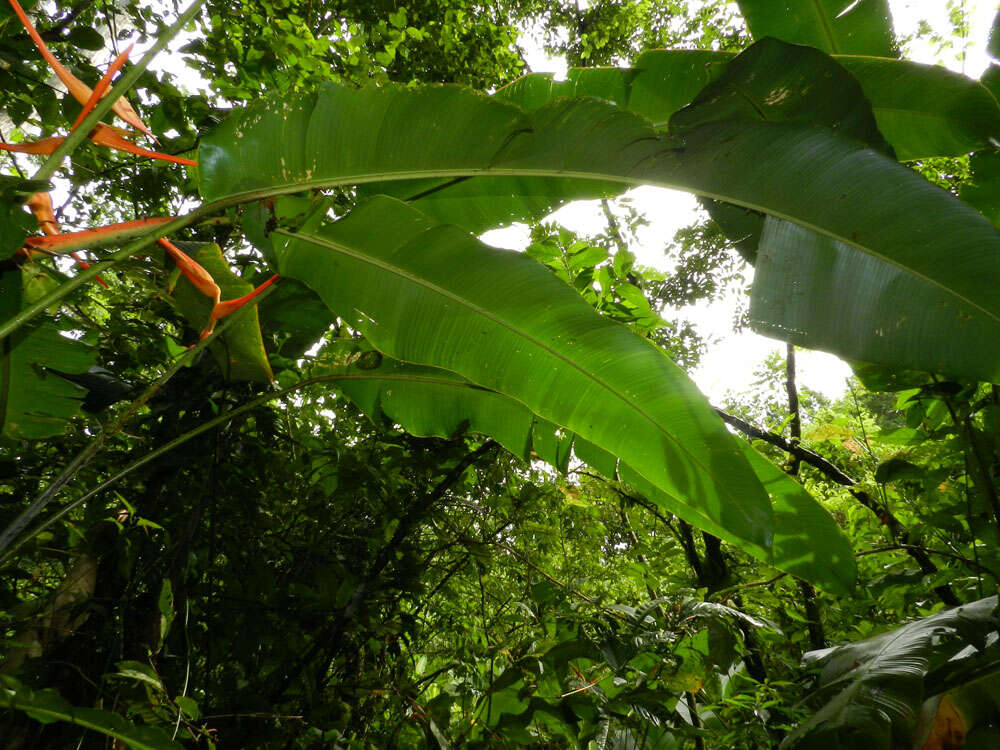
<point>836,474</point>
<point>929,551</point>
<point>830,470</point>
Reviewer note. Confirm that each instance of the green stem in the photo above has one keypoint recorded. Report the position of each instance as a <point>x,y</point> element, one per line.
<point>126,82</point>
<point>9,534</point>
<point>56,296</point>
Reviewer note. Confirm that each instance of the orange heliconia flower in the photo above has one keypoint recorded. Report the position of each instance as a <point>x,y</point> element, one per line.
<point>77,88</point>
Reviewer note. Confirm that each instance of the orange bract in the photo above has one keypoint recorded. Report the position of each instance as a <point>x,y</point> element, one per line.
<point>107,135</point>
<point>102,86</point>
<point>77,88</point>
<point>68,241</point>
<point>102,135</point>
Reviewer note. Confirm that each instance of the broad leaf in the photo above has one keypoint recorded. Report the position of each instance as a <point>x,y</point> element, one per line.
<point>807,541</point>
<point>926,110</point>
<point>656,86</point>
<point>429,293</point>
<point>983,189</point>
<point>15,222</point>
<point>775,81</point>
<point>47,706</point>
<point>814,291</point>
<point>802,276</point>
<point>845,27</point>
<point>793,172</point>
<point>36,403</point>
<point>295,316</point>
<point>427,401</point>
<point>239,351</point>
<point>921,110</point>
<point>874,688</point>
<point>830,185</point>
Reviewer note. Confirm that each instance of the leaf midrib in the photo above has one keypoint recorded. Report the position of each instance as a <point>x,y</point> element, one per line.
<point>820,14</point>
<point>302,186</point>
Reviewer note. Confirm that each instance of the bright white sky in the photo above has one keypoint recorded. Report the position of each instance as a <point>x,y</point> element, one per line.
<point>729,364</point>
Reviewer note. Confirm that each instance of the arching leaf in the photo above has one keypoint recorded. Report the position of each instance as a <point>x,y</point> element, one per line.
<point>430,294</point>
<point>393,135</point>
<point>427,401</point>
<point>874,688</point>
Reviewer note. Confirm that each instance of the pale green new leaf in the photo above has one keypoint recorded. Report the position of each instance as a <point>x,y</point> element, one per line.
<point>429,293</point>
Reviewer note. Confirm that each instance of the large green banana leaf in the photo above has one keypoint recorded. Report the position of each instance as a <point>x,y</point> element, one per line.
<point>926,110</point>
<point>34,402</point>
<point>802,277</point>
<point>427,401</point>
<point>806,175</point>
<point>817,292</point>
<point>774,81</point>
<point>847,27</point>
<point>921,110</point>
<point>429,293</point>
<point>873,689</point>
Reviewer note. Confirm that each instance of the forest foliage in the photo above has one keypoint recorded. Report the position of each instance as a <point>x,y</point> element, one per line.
<point>292,458</point>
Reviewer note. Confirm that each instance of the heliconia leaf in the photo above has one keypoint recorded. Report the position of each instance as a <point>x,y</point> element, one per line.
<point>47,706</point>
<point>873,688</point>
<point>806,175</point>
<point>431,294</point>
<point>926,110</point>
<point>658,84</point>
<point>802,276</point>
<point>35,403</point>
<point>807,541</point>
<point>239,350</point>
<point>921,110</point>
<point>844,27</point>
<point>428,401</point>
<point>814,291</point>
<point>774,81</point>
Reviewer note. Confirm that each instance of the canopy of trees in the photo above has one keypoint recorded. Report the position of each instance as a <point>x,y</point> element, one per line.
<point>289,457</point>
